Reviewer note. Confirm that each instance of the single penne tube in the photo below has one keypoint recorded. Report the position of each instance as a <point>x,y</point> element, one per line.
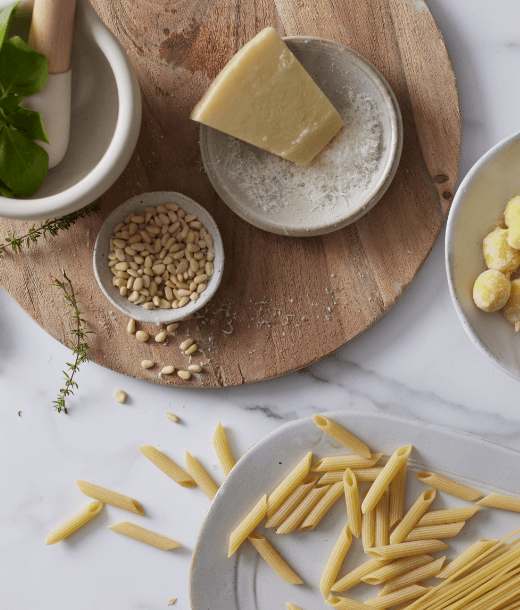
<point>266,551</point>
<point>362,475</point>
<point>289,484</point>
<point>222,450</point>
<point>396,569</point>
<point>413,576</point>
<point>292,501</point>
<point>247,525</point>
<point>167,466</point>
<point>398,597</point>
<point>73,523</point>
<point>501,501</point>
<point>319,511</point>
<point>397,496</point>
<point>345,603</point>
<point>302,510</point>
<point>352,501</point>
<point>342,462</point>
<point>473,552</point>
<point>448,485</point>
<point>354,577</point>
<point>292,606</point>
<point>412,517</point>
<point>200,476</point>
<point>368,527</point>
<point>448,530</point>
<point>110,497</point>
<point>139,533</point>
<point>336,558</point>
<point>406,549</point>
<point>385,477</point>
<point>382,525</point>
<point>451,515</point>
<point>341,435</point>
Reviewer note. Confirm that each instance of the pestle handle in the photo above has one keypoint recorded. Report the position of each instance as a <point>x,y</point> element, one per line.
<point>51,32</point>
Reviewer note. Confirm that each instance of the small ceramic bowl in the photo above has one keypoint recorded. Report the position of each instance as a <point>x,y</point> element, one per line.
<point>102,249</point>
<point>336,69</point>
<point>105,123</point>
<point>478,207</point>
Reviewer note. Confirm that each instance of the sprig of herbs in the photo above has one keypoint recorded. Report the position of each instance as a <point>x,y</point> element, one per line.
<point>52,227</point>
<point>79,343</point>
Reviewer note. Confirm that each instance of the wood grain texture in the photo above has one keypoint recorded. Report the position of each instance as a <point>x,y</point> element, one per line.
<point>284,302</point>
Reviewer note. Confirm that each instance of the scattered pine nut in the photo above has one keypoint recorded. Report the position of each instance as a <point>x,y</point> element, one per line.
<point>172,417</point>
<point>191,349</point>
<point>141,335</point>
<point>195,368</point>
<point>160,337</point>
<point>131,326</point>
<point>168,370</point>
<point>120,396</point>
<point>171,327</point>
<point>147,364</point>
<point>185,344</point>
<point>172,601</point>
<point>184,374</point>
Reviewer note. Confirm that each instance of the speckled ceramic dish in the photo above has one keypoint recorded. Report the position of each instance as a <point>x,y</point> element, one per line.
<point>102,249</point>
<point>477,208</point>
<point>337,70</point>
<point>245,582</point>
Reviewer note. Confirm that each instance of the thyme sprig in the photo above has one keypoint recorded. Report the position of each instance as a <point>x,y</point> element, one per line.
<point>79,343</point>
<point>51,227</point>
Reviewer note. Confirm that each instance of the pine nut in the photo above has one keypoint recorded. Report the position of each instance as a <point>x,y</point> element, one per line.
<point>135,239</point>
<point>122,274</point>
<point>198,256</point>
<point>195,224</point>
<point>164,304</point>
<point>147,364</point>
<point>208,239</point>
<point>194,264</point>
<point>161,209</point>
<point>145,237</point>
<point>118,227</point>
<point>183,292</point>
<point>191,349</point>
<point>168,293</point>
<point>119,243</point>
<point>132,265</point>
<point>172,327</point>
<point>194,296</point>
<point>200,279</point>
<point>168,370</point>
<point>160,337</point>
<point>113,263</point>
<point>120,396</point>
<point>123,291</point>
<point>133,297</point>
<point>121,266</point>
<point>184,301</point>
<point>171,206</point>
<point>148,305</point>
<point>172,417</point>
<point>184,374</point>
<point>196,368</point>
<point>190,248</point>
<point>142,336</point>
<point>210,256</point>
<point>185,344</point>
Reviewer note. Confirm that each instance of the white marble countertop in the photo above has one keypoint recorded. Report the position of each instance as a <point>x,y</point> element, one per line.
<point>416,362</point>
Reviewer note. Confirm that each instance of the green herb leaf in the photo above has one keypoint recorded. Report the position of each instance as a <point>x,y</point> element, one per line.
<point>10,103</point>
<point>6,17</point>
<point>5,192</point>
<point>24,163</point>
<point>23,70</point>
<point>30,122</point>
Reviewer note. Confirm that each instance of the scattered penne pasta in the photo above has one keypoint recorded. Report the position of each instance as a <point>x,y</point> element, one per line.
<point>167,466</point>
<point>73,523</point>
<point>293,501</point>
<point>398,597</point>
<point>266,551</point>
<point>382,525</point>
<point>473,552</point>
<point>501,501</point>
<point>222,449</point>
<point>412,517</point>
<point>110,497</point>
<point>368,527</point>
<point>396,569</point>
<point>431,532</point>
<point>413,576</point>
<point>406,549</point>
<point>335,560</point>
<point>342,462</point>
<point>292,606</point>
<point>452,515</point>
<point>353,578</point>
<point>362,475</point>
<point>200,476</point>
<point>291,481</point>
<point>341,435</point>
<point>172,601</point>
<point>318,512</point>
<point>247,525</point>
<point>352,502</point>
<point>397,496</point>
<point>139,533</point>
<point>447,485</point>
<point>302,510</point>
<point>345,603</point>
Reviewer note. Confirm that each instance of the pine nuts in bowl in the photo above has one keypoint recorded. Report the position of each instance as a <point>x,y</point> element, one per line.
<point>176,235</point>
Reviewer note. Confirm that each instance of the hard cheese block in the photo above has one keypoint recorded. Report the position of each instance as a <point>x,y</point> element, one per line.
<point>265,97</point>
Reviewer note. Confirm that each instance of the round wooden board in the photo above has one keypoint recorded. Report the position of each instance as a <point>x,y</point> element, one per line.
<point>284,302</point>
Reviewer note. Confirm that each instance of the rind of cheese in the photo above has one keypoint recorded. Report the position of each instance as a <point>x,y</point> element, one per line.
<point>265,97</point>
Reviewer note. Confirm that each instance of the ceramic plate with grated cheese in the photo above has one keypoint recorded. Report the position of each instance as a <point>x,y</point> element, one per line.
<point>344,181</point>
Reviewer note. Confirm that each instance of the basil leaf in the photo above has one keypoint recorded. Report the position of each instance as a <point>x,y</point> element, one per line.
<point>23,163</point>
<point>6,17</point>
<point>23,70</point>
<point>30,122</point>
<point>10,103</point>
<point>6,192</point>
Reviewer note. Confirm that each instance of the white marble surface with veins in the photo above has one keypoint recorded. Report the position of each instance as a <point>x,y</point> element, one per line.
<point>416,362</point>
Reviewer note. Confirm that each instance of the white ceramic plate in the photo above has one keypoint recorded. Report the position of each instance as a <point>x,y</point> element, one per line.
<point>245,582</point>
<point>477,208</point>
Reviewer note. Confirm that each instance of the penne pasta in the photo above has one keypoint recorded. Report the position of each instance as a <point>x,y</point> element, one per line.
<point>368,527</point>
<point>293,501</point>
<point>452,515</point>
<point>318,512</point>
<point>139,533</point>
<point>342,462</point>
<point>397,496</point>
<point>267,552</point>
<point>289,483</point>
<point>302,510</point>
<point>473,552</point>
<point>353,578</point>
<point>385,477</point>
<point>414,576</point>
<point>247,525</point>
<point>352,502</point>
<point>200,476</point>
<point>448,530</point>
<point>382,525</point>
<point>396,569</point>
<point>341,435</point>
<point>335,560</point>
<point>345,603</point>
<point>292,606</point>
<point>222,449</point>
<point>398,597</point>
<point>501,501</point>
<point>412,517</point>
<point>167,466</point>
<point>406,549</point>
<point>110,497</point>
<point>447,485</point>
<point>73,523</point>
<point>362,475</point>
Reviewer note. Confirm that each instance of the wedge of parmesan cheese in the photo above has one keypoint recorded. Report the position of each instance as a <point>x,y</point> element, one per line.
<point>265,97</point>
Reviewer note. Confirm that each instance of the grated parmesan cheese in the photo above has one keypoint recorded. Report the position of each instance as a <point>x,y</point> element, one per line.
<point>333,181</point>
